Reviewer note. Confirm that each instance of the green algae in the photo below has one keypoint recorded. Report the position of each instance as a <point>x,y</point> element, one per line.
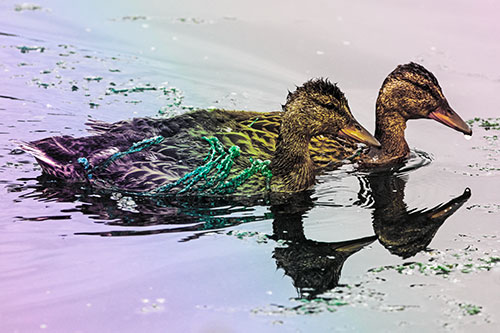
<point>305,307</point>
<point>462,264</point>
<point>93,78</point>
<point>27,6</point>
<point>133,18</point>
<point>193,20</point>
<point>27,49</point>
<point>471,309</point>
<point>332,301</point>
<point>135,89</point>
<point>486,123</point>
<point>173,102</point>
<point>258,236</point>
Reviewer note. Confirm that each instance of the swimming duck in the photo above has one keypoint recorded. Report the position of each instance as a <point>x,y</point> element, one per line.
<point>147,155</point>
<point>408,92</point>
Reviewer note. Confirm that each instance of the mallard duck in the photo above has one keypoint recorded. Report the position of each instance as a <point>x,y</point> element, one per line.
<point>154,156</point>
<point>408,92</point>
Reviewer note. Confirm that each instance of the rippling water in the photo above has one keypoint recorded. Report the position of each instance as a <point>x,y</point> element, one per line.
<point>400,250</point>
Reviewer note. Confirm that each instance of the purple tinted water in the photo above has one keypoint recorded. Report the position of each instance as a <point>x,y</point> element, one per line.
<point>68,258</point>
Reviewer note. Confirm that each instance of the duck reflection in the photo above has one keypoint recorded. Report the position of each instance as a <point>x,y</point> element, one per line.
<point>142,215</point>
<point>402,231</point>
<point>314,266</point>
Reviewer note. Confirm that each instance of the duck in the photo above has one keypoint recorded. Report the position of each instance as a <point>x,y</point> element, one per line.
<point>409,92</point>
<point>205,151</point>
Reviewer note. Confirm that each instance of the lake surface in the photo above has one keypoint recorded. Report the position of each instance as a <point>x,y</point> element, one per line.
<point>334,259</point>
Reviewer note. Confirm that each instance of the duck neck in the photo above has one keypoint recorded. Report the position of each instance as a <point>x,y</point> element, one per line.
<point>292,167</point>
<point>390,132</point>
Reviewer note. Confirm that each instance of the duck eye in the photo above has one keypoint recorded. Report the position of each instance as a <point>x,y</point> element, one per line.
<point>329,105</point>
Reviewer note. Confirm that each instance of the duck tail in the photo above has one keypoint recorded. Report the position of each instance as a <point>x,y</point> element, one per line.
<point>49,165</point>
<point>36,152</point>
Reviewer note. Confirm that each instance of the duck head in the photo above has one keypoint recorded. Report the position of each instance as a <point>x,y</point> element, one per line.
<point>316,108</point>
<point>319,107</point>
<point>412,92</point>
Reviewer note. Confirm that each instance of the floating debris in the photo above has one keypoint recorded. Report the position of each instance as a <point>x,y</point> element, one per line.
<point>486,123</point>
<point>471,309</point>
<point>134,18</point>
<point>128,204</point>
<point>260,237</point>
<point>438,265</point>
<point>44,85</point>
<point>193,20</point>
<point>329,302</point>
<point>26,49</point>
<point>125,91</point>
<point>27,6</point>
<point>93,78</point>
<point>489,208</point>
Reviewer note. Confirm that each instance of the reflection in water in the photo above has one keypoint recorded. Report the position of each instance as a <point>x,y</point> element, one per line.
<point>164,214</point>
<point>314,266</point>
<point>405,232</point>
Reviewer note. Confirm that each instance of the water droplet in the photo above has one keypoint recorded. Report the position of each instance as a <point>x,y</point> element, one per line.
<point>467,137</point>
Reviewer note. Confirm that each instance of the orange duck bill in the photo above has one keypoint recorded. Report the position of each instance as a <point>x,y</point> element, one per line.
<point>358,133</point>
<point>445,115</point>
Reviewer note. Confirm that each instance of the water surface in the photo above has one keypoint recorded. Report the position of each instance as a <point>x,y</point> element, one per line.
<point>337,259</point>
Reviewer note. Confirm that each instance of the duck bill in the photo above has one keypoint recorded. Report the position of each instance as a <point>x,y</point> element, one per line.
<point>443,211</point>
<point>445,115</point>
<point>353,246</point>
<point>358,133</point>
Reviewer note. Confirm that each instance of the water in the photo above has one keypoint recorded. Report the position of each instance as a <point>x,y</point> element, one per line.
<point>332,260</point>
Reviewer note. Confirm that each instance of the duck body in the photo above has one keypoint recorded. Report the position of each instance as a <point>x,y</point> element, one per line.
<point>181,150</point>
<point>199,149</point>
